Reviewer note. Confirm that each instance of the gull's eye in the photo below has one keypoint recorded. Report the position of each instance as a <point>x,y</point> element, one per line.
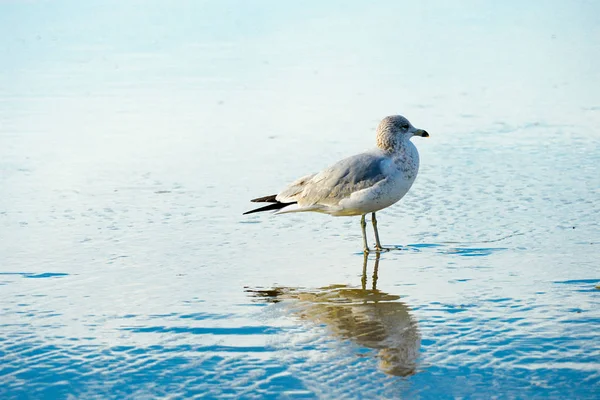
<point>404,126</point>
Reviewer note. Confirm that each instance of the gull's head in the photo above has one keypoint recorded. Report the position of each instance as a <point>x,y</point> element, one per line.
<point>395,129</point>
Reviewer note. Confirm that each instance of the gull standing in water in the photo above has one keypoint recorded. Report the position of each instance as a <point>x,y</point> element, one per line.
<point>358,185</point>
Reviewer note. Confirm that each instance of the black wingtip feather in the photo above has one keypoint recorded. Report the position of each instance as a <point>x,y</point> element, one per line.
<point>275,206</point>
<point>266,199</point>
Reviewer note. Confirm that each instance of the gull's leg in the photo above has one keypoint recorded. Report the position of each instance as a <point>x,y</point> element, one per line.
<point>363,225</point>
<point>377,242</point>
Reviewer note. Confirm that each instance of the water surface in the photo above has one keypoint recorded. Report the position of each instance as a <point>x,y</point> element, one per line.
<point>133,134</point>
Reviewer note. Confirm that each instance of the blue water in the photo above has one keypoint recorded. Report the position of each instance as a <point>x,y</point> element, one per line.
<point>132,135</point>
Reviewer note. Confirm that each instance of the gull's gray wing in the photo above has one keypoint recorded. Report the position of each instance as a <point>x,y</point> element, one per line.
<point>337,182</point>
<point>288,195</point>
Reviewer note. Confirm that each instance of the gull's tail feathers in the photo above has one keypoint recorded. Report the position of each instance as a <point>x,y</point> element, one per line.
<point>294,207</point>
<point>286,201</point>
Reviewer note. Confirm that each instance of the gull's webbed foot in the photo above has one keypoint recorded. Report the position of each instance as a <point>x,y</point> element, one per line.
<point>381,249</point>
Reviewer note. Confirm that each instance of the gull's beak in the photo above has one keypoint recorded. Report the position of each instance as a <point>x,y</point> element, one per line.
<point>421,132</point>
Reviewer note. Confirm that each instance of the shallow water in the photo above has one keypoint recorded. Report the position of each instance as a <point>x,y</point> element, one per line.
<point>132,136</point>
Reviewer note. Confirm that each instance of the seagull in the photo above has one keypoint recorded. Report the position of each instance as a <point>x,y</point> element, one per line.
<point>360,184</point>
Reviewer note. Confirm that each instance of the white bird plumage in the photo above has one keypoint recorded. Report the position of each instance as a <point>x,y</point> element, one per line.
<point>360,184</point>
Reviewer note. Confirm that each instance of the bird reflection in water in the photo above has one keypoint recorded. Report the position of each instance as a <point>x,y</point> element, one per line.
<point>366,316</point>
